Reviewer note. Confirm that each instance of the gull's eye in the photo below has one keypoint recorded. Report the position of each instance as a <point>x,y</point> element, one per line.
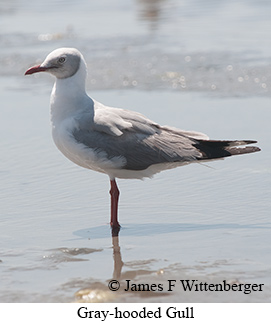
<point>61,60</point>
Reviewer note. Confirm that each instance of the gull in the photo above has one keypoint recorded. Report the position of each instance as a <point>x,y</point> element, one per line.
<point>118,142</point>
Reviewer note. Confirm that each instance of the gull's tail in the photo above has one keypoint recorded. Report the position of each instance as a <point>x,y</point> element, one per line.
<point>212,149</point>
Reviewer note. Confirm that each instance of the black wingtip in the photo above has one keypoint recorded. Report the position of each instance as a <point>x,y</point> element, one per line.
<point>212,149</point>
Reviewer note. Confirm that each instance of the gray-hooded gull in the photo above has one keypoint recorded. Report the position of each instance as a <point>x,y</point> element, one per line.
<point>118,142</point>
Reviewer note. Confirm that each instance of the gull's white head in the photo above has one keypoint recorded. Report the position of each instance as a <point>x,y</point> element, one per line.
<point>62,63</point>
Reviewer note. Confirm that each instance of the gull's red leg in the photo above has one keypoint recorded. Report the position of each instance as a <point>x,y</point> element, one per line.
<point>114,192</point>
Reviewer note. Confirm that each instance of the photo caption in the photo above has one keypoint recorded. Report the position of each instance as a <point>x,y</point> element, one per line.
<point>117,313</point>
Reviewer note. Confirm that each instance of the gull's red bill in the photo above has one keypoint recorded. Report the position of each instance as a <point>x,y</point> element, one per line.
<point>35,69</point>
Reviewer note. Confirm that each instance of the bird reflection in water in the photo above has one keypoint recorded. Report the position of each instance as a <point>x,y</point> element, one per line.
<point>99,292</point>
<point>118,263</point>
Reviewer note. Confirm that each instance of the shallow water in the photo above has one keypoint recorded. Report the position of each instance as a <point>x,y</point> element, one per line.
<point>179,65</point>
